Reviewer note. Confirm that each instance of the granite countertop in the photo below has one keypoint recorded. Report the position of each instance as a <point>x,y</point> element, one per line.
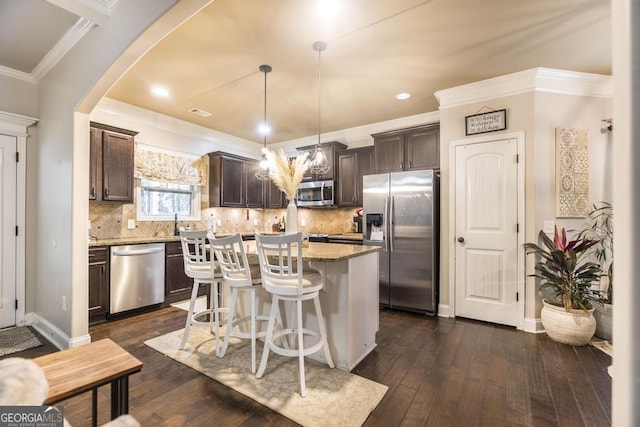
<point>315,251</point>
<point>162,239</point>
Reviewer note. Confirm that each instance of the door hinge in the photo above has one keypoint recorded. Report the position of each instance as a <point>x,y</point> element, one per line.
<point>517,296</point>
<point>17,156</point>
<point>517,158</point>
<point>16,304</point>
<point>16,230</point>
<point>517,227</point>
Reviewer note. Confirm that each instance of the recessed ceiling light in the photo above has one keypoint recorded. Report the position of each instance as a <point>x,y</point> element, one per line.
<point>403,95</point>
<point>160,91</point>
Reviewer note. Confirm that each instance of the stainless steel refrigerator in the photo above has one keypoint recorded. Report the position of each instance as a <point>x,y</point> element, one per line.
<point>401,215</point>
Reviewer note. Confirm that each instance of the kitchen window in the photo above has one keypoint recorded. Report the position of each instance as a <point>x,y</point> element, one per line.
<point>167,183</point>
<point>162,200</point>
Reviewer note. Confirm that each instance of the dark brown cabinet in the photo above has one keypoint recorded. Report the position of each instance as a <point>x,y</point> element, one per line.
<point>177,285</point>
<point>98,283</point>
<point>274,197</point>
<point>352,166</point>
<point>408,149</point>
<point>232,182</point>
<point>330,150</point>
<point>111,163</point>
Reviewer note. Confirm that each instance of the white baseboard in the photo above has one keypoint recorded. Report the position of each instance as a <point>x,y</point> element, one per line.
<point>55,335</point>
<point>443,310</point>
<point>533,325</point>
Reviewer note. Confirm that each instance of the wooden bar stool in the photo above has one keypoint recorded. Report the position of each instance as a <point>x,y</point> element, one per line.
<point>201,267</point>
<point>284,278</point>
<point>240,276</point>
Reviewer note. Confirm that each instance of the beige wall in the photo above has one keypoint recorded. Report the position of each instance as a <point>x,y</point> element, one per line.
<point>61,210</point>
<point>537,114</point>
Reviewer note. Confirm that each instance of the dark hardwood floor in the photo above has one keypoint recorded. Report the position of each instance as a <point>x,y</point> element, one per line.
<point>440,372</point>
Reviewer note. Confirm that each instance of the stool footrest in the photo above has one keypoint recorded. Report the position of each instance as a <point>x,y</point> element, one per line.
<point>293,352</point>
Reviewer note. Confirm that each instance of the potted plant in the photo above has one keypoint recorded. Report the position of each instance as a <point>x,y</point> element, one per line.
<point>564,270</point>
<point>601,230</point>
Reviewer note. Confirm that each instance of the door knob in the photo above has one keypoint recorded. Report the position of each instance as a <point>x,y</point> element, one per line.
<point>461,239</point>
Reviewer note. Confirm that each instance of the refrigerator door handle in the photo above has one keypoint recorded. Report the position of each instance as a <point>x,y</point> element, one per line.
<point>390,216</point>
<point>386,224</point>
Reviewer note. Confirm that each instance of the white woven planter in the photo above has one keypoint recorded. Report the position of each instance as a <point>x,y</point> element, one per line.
<point>574,327</point>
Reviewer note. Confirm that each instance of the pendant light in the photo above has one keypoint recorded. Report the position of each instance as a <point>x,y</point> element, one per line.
<point>319,164</point>
<point>263,171</point>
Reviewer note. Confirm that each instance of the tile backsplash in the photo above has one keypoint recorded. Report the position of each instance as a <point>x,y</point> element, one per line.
<point>109,221</point>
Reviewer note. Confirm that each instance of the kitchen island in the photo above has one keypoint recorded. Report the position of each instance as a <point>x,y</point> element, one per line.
<point>349,298</point>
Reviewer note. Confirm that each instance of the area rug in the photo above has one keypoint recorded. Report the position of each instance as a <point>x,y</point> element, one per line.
<point>17,339</point>
<point>201,304</point>
<point>334,397</point>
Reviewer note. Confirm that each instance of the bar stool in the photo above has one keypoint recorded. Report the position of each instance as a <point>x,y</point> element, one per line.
<point>200,266</point>
<point>241,276</point>
<point>284,278</point>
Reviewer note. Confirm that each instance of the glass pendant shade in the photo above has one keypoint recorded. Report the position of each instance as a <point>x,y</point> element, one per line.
<point>319,164</point>
<point>263,173</point>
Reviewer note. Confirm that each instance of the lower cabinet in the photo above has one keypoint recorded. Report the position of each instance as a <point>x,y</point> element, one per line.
<point>177,286</point>
<point>98,283</point>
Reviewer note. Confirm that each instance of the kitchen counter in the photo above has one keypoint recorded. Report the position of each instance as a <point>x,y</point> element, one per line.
<point>315,251</point>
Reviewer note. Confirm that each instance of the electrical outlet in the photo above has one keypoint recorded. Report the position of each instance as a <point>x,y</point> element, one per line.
<point>64,303</point>
<point>131,224</point>
<point>219,222</point>
<point>303,222</point>
<point>255,222</point>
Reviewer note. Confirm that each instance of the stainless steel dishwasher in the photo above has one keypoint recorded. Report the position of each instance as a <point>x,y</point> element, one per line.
<point>136,276</point>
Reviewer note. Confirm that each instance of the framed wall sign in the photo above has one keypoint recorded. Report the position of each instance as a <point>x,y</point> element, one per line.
<point>485,122</point>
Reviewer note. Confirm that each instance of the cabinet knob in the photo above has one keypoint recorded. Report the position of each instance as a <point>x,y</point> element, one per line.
<point>106,192</point>
<point>461,239</point>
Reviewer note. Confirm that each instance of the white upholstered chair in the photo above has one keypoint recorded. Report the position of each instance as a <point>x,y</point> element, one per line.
<point>240,276</point>
<point>199,265</point>
<point>283,277</point>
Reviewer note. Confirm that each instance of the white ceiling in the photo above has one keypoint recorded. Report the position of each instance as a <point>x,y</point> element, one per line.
<point>376,48</point>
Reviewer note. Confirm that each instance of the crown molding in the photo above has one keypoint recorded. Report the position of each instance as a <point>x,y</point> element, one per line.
<point>534,80</point>
<point>118,111</point>
<point>64,45</point>
<point>15,74</point>
<point>97,11</point>
<point>361,135</point>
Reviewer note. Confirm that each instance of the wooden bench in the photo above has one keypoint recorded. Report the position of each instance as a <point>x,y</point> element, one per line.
<point>77,370</point>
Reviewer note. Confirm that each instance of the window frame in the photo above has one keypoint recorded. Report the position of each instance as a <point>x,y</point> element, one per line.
<point>195,205</point>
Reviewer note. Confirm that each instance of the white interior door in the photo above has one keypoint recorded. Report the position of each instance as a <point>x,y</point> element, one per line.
<point>486,217</point>
<point>7,231</point>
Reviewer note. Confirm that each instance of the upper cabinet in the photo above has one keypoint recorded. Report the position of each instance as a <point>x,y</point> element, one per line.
<point>408,149</point>
<point>111,163</point>
<point>330,150</point>
<point>352,166</point>
<point>232,182</point>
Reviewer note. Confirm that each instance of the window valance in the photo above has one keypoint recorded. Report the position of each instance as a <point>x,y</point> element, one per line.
<point>163,167</point>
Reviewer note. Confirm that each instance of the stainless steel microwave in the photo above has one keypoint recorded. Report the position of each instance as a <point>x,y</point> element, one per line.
<point>315,194</point>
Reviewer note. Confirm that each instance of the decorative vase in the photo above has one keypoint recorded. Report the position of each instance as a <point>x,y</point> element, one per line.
<point>604,325</point>
<point>291,223</point>
<point>573,327</point>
